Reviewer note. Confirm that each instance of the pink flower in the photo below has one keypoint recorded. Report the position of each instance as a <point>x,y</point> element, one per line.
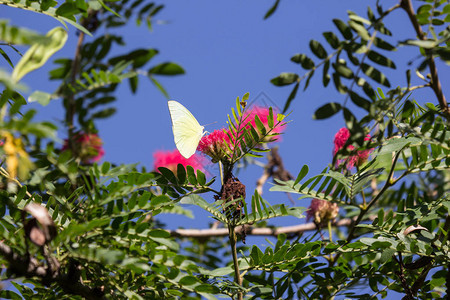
<point>340,139</point>
<point>86,146</point>
<point>263,114</point>
<point>357,159</point>
<point>322,211</point>
<point>216,145</point>
<point>171,159</point>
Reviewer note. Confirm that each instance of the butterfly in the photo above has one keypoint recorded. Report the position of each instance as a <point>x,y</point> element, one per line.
<point>187,132</point>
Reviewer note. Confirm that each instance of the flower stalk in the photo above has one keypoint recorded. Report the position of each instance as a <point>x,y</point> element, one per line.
<point>237,275</point>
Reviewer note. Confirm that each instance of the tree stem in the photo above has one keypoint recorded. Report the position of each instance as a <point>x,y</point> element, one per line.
<point>237,274</point>
<point>330,231</point>
<point>435,83</point>
<point>73,76</point>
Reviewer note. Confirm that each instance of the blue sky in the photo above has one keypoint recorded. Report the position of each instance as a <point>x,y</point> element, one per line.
<point>226,49</point>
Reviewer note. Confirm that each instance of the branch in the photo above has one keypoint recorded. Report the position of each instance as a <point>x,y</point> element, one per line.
<point>30,267</point>
<point>261,231</point>
<point>23,266</point>
<point>73,77</point>
<point>274,168</point>
<point>435,83</point>
<point>75,68</point>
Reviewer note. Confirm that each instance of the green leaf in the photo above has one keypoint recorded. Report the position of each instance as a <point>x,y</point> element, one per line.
<point>191,175</point>
<point>375,74</point>
<point>81,4</point>
<point>427,44</point>
<point>260,127</point>
<point>138,57</point>
<point>306,62</point>
<point>387,254</point>
<point>39,53</point>
<point>67,9</point>
<point>291,97</point>
<point>188,280</point>
<point>167,173</point>
<point>325,75</point>
<point>169,243</point>
<point>311,73</point>
<point>383,44</point>
<point>206,288</point>
<point>444,54</point>
<point>22,192</point>
<point>343,28</point>
<point>317,49</point>
<point>219,271</point>
<point>332,39</point>
<point>394,145</point>
<point>167,69</point>
<point>214,208</point>
<point>159,86</point>
<point>327,110</point>
<point>354,17</point>
<point>181,173</point>
<point>108,9</point>
<point>272,9</point>
<point>380,59</point>
<point>74,24</point>
<point>380,217</point>
<point>303,172</point>
<point>133,81</point>
<point>360,30</point>
<point>338,84</point>
<point>6,57</point>
<point>284,79</point>
<point>20,36</point>
<point>159,233</point>
<point>343,70</point>
<point>104,113</point>
<point>270,122</point>
<point>42,98</point>
<point>201,178</point>
<point>8,294</point>
<point>359,101</point>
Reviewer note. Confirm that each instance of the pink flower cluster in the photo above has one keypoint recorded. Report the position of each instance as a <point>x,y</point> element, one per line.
<point>359,158</point>
<point>171,159</point>
<point>263,114</point>
<point>322,211</point>
<point>215,145</point>
<point>86,146</point>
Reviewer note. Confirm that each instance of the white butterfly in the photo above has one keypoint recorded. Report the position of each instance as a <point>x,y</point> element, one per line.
<point>187,132</point>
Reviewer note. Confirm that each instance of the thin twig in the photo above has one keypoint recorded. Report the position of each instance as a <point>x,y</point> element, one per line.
<point>71,97</point>
<point>274,168</point>
<point>435,83</point>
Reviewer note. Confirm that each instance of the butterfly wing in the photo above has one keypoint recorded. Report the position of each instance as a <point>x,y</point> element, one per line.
<point>187,132</point>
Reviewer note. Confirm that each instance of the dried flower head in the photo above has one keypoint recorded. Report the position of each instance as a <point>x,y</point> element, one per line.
<point>86,146</point>
<point>322,211</point>
<point>215,145</point>
<point>351,161</point>
<point>171,159</point>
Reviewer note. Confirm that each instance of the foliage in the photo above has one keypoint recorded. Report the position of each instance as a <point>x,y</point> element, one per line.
<point>72,228</point>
